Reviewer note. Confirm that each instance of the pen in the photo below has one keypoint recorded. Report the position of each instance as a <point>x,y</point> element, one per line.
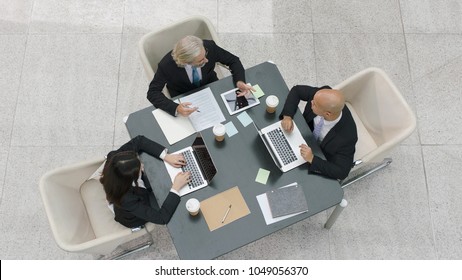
<point>187,106</point>
<point>226,214</point>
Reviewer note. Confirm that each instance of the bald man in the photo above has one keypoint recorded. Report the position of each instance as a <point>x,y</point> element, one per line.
<point>332,125</point>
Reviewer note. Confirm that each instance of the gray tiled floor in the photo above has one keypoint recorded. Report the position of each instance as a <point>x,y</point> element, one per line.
<point>69,72</point>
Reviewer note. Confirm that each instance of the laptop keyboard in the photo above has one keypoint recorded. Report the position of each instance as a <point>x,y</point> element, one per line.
<point>282,146</point>
<point>191,166</point>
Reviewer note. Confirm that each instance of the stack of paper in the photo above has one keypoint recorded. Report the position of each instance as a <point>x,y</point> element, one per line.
<point>178,128</point>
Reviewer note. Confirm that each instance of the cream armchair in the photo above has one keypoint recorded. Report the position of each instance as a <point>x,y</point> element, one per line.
<point>383,119</point>
<point>76,207</point>
<point>155,45</point>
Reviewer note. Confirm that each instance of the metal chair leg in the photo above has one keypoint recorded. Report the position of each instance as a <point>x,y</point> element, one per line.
<point>333,217</point>
<point>137,248</point>
<point>134,250</point>
<point>349,181</point>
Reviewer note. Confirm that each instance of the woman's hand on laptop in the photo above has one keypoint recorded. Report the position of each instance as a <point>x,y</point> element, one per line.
<point>181,179</point>
<point>175,160</point>
<point>287,124</point>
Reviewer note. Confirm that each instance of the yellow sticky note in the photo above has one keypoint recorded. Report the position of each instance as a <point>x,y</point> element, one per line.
<point>262,176</point>
<point>258,91</point>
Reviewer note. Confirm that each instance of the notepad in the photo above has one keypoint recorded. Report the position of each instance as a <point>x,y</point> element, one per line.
<point>217,211</point>
<point>287,200</point>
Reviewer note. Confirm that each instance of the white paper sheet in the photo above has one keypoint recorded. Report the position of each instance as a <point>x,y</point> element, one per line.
<point>210,113</point>
<point>174,128</point>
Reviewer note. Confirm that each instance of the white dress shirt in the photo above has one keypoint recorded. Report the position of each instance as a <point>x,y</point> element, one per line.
<point>188,69</point>
<point>328,125</point>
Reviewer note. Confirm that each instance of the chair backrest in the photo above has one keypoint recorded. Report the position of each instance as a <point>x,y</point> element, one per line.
<point>77,210</point>
<point>383,118</point>
<point>155,45</point>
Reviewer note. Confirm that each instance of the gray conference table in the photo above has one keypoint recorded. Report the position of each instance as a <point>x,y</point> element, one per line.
<point>238,160</point>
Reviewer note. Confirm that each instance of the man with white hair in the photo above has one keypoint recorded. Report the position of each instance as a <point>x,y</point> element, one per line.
<point>190,65</point>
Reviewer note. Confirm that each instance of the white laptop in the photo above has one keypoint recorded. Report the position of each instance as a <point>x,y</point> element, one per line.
<point>198,162</point>
<point>283,146</point>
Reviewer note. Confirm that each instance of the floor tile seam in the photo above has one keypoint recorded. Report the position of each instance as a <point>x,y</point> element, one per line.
<point>405,44</point>
<point>435,247</point>
<point>434,33</point>
<point>60,146</point>
<point>411,84</point>
<point>440,145</point>
<point>237,33</point>
<point>314,56</point>
<point>314,32</point>
<point>73,33</point>
<point>13,33</point>
<point>4,177</point>
<point>21,74</point>
<point>218,16</point>
<point>448,63</point>
<point>263,33</point>
<point>409,144</point>
<point>118,78</point>
<point>358,33</point>
<point>18,90</point>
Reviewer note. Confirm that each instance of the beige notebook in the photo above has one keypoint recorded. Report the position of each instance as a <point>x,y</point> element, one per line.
<point>224,208</point>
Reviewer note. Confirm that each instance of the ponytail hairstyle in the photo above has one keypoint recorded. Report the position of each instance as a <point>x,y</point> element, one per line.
<point>119,173</point>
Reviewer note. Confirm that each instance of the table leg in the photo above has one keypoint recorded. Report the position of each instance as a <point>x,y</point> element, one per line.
<point>333,217</point>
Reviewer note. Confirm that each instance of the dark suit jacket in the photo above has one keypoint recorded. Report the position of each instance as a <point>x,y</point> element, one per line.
<point>339,144</point>
<point>177,80</point>
<point>139,205</point>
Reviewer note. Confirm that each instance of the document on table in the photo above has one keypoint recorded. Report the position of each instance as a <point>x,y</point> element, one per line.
<point>178,128</point>
<point>210,113</point>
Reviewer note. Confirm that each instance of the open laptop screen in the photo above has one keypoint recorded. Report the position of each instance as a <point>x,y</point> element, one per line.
<point>204,159</point>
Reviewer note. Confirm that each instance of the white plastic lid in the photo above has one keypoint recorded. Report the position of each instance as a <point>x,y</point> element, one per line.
<point>219,129</point>
<point>192,204</point>
<point>272,100</point>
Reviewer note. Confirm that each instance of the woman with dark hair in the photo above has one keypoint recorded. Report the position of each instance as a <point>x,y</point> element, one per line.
<point>128,188</point>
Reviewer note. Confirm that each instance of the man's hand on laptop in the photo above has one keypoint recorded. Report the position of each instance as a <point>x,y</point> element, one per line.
<point>306,152</point>
<point>287,124</point>
<point>181,179</point>
<point>175,160</point>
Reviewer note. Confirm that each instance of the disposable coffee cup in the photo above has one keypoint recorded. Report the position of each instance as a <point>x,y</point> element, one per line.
<point>272,102</point>
<point>193,206</point>
<point>219,131</point>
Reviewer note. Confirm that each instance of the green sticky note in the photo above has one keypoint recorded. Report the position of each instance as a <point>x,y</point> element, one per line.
<point>259,92</point>
<point>262,176</point>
